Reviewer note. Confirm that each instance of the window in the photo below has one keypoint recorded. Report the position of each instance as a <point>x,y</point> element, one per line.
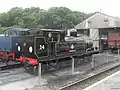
<point>23,33</point>
<point>10,33</point>
<point>105,20</point>
<point>53,37</point>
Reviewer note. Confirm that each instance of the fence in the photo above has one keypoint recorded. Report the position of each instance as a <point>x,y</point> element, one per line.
<point>98,60</point>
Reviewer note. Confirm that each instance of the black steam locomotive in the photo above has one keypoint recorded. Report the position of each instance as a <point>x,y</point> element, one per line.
<point>44,45</point>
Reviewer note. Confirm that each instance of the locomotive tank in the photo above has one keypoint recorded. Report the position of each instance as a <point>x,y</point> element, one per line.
<point>33,47</point>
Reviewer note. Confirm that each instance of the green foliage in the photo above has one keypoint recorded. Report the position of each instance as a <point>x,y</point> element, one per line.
<point>2,29</point>
<point>34,17</point>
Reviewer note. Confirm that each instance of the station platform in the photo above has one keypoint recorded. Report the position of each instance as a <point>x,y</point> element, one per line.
<point>111,82</point>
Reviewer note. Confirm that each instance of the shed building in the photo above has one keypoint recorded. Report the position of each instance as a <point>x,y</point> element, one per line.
<point>97,27</point>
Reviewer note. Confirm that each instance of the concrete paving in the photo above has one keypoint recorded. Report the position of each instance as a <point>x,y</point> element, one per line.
<point>24,84</point>
<point>111,82</point>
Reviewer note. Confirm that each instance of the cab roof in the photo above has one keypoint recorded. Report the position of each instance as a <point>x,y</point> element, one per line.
<point>37,29</point>
<point>18,29</point>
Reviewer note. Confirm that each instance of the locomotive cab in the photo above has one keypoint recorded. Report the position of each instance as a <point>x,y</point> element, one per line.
<point>50,34</point>
<point>72,32</point>
<point>52,37</point>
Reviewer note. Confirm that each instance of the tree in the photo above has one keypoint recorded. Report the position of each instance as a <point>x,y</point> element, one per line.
<point>5,19</point>
<point>14,15</point>
<point>34,17</point>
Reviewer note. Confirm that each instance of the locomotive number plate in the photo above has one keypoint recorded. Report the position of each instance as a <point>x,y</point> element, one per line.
<point>41,47</point>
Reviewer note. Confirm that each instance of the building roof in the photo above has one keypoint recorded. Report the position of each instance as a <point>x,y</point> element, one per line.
<point>99,20</point>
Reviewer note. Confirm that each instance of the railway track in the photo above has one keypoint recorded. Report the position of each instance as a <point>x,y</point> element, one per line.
<point>5,67</point>
<point>13,75</point>
<point>82,84</point>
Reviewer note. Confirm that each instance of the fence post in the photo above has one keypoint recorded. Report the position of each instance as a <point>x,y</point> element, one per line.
<point>39,73</point>
<point>118,53</point>
<point>41,81</point>
<point>107,56</point>
<point>73,65</point>
<point>92,61</point>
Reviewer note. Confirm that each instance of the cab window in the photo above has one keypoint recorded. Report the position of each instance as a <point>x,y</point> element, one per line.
<point>53,36</point>
<point>10,33</point>
<point>23,33</point>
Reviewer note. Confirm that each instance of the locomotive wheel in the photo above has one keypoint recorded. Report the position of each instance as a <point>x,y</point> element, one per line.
<point>1,58</point>
<point>4,58</point>
<point>31,69</point>
<point>52,65</point>
<point>112,51</point>
<point>27,66</point>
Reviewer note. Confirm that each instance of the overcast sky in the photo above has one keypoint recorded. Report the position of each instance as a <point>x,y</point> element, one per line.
<point>111,7</point>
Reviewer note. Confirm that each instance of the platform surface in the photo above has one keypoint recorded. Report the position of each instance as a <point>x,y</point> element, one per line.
<point>111,82</point>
